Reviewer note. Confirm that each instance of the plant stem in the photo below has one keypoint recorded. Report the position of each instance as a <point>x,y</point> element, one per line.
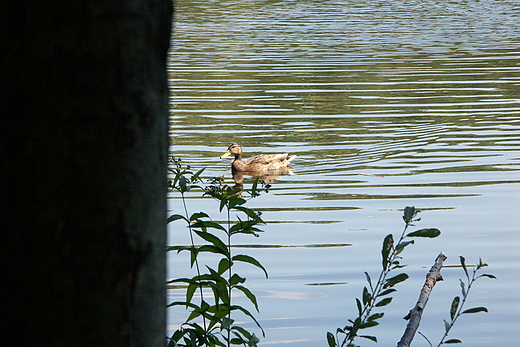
<point>459,310</point>
<point>204,324</point>
<point>230,267</point>
<point>367,309</point>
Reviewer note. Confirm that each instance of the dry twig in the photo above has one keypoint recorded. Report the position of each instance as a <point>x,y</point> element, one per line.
<point>414,316</point>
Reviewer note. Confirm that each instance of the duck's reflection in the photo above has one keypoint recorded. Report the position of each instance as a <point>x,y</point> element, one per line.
<point>267,177</point>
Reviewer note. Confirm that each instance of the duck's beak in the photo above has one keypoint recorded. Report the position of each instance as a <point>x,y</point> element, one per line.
<point>225,154</point>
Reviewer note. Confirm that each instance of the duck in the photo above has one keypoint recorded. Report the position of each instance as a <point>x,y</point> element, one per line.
<point>257,163</point>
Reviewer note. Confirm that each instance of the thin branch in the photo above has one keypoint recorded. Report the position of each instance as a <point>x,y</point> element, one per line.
<point>414,316</point>
<point>379,287</point>
<point>196,258</point>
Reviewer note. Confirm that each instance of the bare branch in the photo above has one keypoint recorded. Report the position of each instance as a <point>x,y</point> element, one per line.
<point>414,316</point>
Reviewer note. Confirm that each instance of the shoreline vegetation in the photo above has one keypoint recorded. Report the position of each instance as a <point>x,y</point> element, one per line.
<point>209,295</point>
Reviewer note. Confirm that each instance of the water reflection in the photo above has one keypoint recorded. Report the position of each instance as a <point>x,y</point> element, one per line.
<point>266,177</point>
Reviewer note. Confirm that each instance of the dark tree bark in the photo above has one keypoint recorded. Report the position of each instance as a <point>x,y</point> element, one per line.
<point>84,106</point>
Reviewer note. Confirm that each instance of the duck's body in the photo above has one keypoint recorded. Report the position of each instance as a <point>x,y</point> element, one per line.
<point>260,162</point>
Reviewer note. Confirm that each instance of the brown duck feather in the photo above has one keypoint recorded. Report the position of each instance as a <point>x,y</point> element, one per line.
<point>257,163</point>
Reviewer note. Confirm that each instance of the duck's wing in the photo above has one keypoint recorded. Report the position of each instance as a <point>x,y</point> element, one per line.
<point>284,157</point>
<point>266,159</point>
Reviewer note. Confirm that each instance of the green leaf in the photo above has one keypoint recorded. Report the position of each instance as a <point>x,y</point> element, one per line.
<point>220,292</point>
<point>331,340</point>
<point>368,324</point>
<point>194,314</point>
<point>409,213</point>
<point>397,266</point>
<point>196,176</point>
<point>404,244</point>
<point>176,337</point>
<point>487,275</point>
<point>255,186</point>
<point>197,311</point>
<point>384,302</point>
<point>366,296</point>
<point>454,307</point>
<point>221,311</point>
<point>192,287</point>
<point>355,326</point>
<point>253,340</point>
<point>387,291</point>
<point>223,203</point>
<point>375,316</point>
<point>480,264</point>
<point>198,215</point>
<point>249,295</point>
<point>226,323</point>
<point>254,215</point>
<point>463,264</point>
<point>183,248</point>
<point>194,251</point>
<point>250,260</point>
<point>463,287</point>
<point>214,275</point>
<point>182,280</point>
<point>247,313</point>
<point>396,279</point>
<point>236,201</point>
<point>242,227</point>
<point>236,279</point>
<point>446,326</point>
<point>183,184</point>
<point>221,246</point>
<point>359,306</point>
<point>212,249</point>
<point>182,303</point>
<point>373,338</point>
<point>175,217</point>
<point>205,224</point>
<point>369,280</point>
<point>475,310</point>
<point>237,341</point>
<point>388,244</point>
<point>237,330</point>
<point>224,265</point>
<point>247,227</point>
<point>431,232</point>
<point>453,341</point>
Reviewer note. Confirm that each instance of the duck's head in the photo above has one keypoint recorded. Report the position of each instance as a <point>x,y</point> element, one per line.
<point>234,149</point>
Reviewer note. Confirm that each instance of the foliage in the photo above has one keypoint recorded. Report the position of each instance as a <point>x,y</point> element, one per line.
<point>377,294</point>
<point>457,307</point>
<point>210,321</point>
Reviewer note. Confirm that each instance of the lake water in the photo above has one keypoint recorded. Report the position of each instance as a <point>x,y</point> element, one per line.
<point>386,104</point>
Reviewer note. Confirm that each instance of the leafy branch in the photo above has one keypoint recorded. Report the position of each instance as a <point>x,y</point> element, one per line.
<point>216,326</point>
<point>457,306</point>
<point>377,295</point>
<point>210,321</point>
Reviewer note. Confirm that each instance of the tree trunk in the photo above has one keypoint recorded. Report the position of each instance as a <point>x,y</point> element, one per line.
<point>83,181</point>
